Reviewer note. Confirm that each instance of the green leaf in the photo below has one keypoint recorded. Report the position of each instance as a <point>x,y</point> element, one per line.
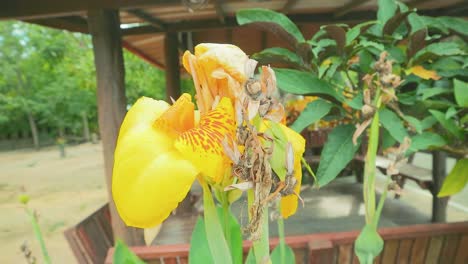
<point>260,15</point>
<point>365,61</point>
<point>313,112</point>
<point>356,102</point>
<point>278,157</point>
<point>387,139</point>
<point>393,124</point>
<point>448,124</point>
<point>425,141</point>
<point>415,123</point>
<point>435,50</point>
<point>123,255</point>
<point>461,92</point>
<point>456,180</point>
<point>429,92</point>
<point>235,239</point>
<point>416,22</point>
<point>304,83</point>
<point>451,112</point>
<point>368,245</point>
<point>456,24</point>
<point>357,30</point>
<point>320,45</point>
<point>428,122</point>
<point>338,151</point>
<point>214,231</point>
<point>289,256</point>
<point>199,248</point>
<point>282,55</point>
<point>387,9</point>
<point>250,257</point>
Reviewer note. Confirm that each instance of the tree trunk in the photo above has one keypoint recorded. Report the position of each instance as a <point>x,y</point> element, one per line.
<point>32,125</point>
<point>86,133</point>
<point>104,27</point>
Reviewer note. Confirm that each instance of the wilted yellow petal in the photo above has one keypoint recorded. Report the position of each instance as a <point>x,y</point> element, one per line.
<point>150,176</point>
<point>202,145</point>
<point>421,72</point>
<point>289,203</point>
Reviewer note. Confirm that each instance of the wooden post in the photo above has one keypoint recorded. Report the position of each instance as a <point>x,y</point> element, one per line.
<point>439,205</point>
<point>104,27</point>
<point>171,55</point>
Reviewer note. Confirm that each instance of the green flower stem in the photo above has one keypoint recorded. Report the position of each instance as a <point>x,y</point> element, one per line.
<point>227,226</point>
<point>38,234</point>
<point>282,242</point>
<point>261,247</point>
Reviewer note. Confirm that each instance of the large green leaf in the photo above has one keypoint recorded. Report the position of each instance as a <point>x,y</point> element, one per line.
<point>357,30</point>
<point>368,245</point>
<point>338,151</point>
<point>235,235</point>
<point>271,20</point>
<point>199,249</point>
<point>304,83</point>
<point>435,50</point>
<point>289,256</point>
<point>387,9</point>
<point>393,124</point>
<point>214,232</point>
<point>313,112</point>
<point>461,92</point>
<point>448,124</point>
<point>282,55</point>
<point>429,92</point>
<point>456,180</point>
<point>425,141</point>
<point>123,255</point>
<point>416,22</point>
<point>387,139</point>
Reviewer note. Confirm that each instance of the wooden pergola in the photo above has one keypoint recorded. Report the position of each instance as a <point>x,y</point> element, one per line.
<point>159,30</point>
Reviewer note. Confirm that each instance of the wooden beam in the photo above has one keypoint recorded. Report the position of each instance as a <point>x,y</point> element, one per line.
<point>71,23</point>
<point>171,57</point>
<point>287,7</point>
<point>104,27</point>
<point>142,55</point>
<point>349,7</point>
<point>30,9</point>
<point>218,4</point>
<point>148,18</point>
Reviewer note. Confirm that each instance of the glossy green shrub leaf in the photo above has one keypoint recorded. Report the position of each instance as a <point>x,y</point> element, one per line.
<point>387,139</point>
<point>456,180</point>
<point>430,92</point>
<point>338,151</point>
<point>289,256</point>
<point>425,141</point>
<point>435,50</point>
<point>368,245</point>
<point>448,124</point>
<point>415,123</point>
<point>387,9</point>
<point>281,55</point>
<point>123,255</point>
<point>357,30</point>
<point>313,112</point>
<point>393,124</point>
<point>304,83</point>
<point>273,21</point>
<point>199,248</point>
<point>461,92</point>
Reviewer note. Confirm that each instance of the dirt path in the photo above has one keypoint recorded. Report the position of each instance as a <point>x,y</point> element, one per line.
<point>62,191</point>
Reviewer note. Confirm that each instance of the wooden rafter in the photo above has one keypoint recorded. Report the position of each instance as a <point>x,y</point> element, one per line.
<point>154,21</point>
<point>289,4</point>
<point>218,4</point>
<point>347,8</point>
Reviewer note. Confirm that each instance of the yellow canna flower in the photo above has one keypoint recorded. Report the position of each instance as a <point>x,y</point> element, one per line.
<point>217,70</point>
<point>160,151</point>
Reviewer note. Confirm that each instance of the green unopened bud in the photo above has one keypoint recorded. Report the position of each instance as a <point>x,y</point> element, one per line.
<point>23,198</point>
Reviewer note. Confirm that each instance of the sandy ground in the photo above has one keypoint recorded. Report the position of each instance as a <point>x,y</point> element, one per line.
<point>64,191</point>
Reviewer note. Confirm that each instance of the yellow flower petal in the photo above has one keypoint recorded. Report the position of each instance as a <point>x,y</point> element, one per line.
<point>202,145</point>
<point>289,203</point>
<point>421,72</point>
<point>150,176</point>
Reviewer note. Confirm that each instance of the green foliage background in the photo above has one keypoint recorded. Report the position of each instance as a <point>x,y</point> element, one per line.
<point>50,75</point>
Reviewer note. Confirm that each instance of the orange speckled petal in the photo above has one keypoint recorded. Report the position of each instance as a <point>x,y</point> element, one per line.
<point>202,145</point>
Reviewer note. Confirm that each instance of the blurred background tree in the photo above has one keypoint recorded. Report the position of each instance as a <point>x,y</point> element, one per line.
<point>48,84</point>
